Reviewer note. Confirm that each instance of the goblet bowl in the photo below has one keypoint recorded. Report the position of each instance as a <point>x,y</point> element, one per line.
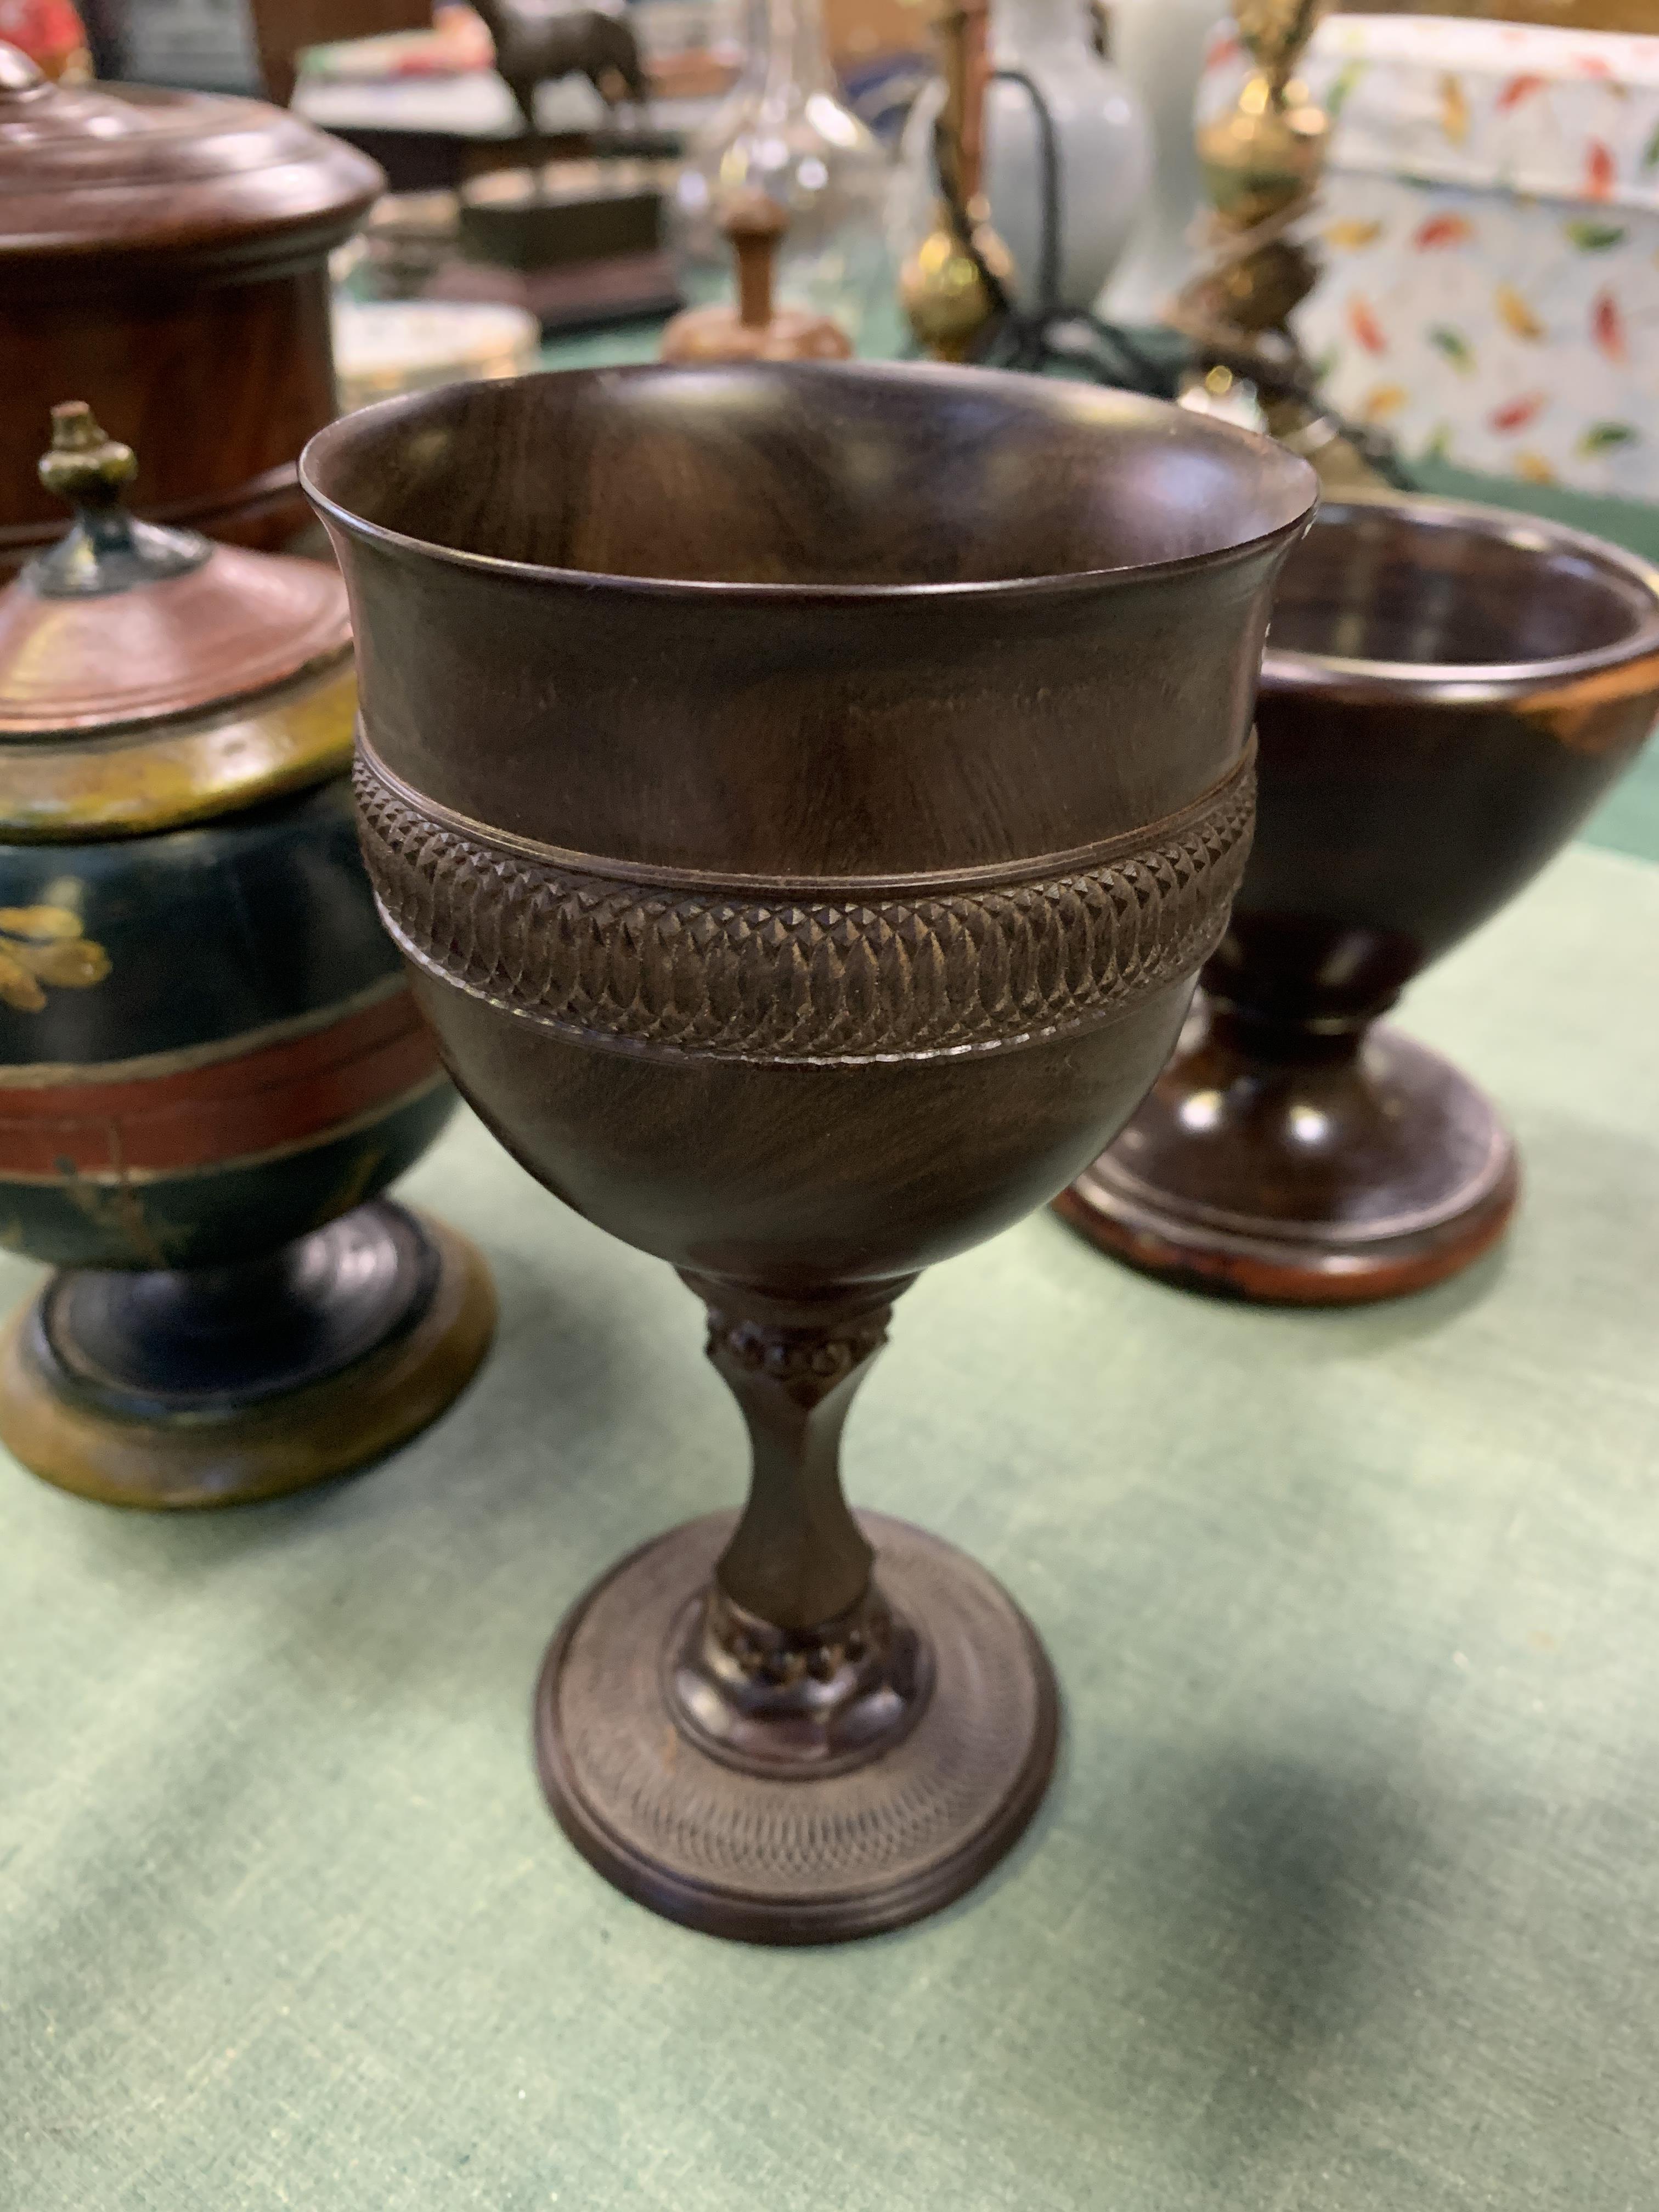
<point>805,794</point>
<point>1447,691</point>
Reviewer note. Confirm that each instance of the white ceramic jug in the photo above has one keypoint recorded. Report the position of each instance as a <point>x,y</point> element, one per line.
<point>1102,146</point>
<point>1159,46</point>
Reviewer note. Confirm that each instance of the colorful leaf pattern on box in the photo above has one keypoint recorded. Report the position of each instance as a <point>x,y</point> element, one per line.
<point>1364,324</point>
<point>1454,110</point>
<point>1442,230</point>
<point>1596,237</point>
<point>1488,228</point>
<point>1341,88</point>
<point>1604,437</point>
<point>1517,89</point>
<point>1454,346</point>
<point>1518,414</point>
<point>1608,327</point>
<point>1516,315</point>
<point>1351,237</point>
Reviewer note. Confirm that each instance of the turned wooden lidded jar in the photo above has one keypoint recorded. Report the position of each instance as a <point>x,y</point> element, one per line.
<point>165,255</point>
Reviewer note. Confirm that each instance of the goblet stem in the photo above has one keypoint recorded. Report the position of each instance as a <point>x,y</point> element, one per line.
<point>1276,1040</point>
<point>792,1659</point>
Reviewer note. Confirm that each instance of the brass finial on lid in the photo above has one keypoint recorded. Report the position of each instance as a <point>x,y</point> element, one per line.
<point>83,463</point>
<point>104,550</point>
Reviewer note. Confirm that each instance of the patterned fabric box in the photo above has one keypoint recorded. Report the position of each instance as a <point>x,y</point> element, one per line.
<point>1490,230</point>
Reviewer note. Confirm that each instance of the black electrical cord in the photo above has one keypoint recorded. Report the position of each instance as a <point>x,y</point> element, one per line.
<point>1053,335</point>
<point>1050,333</point>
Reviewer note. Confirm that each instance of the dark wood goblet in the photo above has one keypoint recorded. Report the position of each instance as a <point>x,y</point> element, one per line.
<point>804,795</point>
<point>1447,691</point>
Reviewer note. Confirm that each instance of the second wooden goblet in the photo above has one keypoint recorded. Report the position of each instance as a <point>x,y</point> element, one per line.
<point>804,795</point>
<point>1447,691</point>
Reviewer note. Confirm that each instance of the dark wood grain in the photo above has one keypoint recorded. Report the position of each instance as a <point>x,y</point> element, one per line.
<point>804,794</point>
<point>163,255</point>
<point>1447,692</point>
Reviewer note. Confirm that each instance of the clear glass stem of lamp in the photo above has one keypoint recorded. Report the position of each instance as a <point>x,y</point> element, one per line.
<point>787,52</point>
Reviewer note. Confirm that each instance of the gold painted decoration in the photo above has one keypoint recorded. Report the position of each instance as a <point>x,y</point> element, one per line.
<point>43,946</point>
<point>187,770</point>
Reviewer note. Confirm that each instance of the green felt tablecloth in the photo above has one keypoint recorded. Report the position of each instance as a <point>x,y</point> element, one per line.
<point>1347,1895</point>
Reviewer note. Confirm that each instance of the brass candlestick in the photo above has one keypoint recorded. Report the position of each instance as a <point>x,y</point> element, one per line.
<point>955,284</point>
<point>1262,165</point>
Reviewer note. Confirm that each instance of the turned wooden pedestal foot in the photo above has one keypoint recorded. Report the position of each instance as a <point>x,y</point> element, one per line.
<point>795,1726</point>
<point>1301,1168</point>
<point>216,1386</point>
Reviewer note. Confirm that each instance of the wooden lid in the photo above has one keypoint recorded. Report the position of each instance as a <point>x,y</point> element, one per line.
<point>90,172</point>
<point>126,629</point>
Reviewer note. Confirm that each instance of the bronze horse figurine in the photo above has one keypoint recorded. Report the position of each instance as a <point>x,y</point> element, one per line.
<point>536,43</point>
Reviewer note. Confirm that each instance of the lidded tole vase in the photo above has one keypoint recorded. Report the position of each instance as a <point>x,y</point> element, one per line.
<point>210,1065</point>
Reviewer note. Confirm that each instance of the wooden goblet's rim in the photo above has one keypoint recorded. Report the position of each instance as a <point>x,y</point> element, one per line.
<point>876,520</point>
<point>1545,577</point>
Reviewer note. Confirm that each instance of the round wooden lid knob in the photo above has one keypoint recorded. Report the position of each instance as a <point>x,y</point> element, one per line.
<point>756,329</point>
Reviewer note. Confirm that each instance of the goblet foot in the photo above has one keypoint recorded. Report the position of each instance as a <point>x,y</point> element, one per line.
<point>1376,1171</point>
<point>216,1386</point>
<point>826,1835</point>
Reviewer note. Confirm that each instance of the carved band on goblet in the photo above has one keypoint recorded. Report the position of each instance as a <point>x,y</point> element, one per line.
<point>1447,690</point>
<point>887,801</point>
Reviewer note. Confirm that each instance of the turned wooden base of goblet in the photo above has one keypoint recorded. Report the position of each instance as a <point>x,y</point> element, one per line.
<point>818,1847</point>
<point>216,1386</point>
<point>792,1725</point>
<point>1295,1169</point>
